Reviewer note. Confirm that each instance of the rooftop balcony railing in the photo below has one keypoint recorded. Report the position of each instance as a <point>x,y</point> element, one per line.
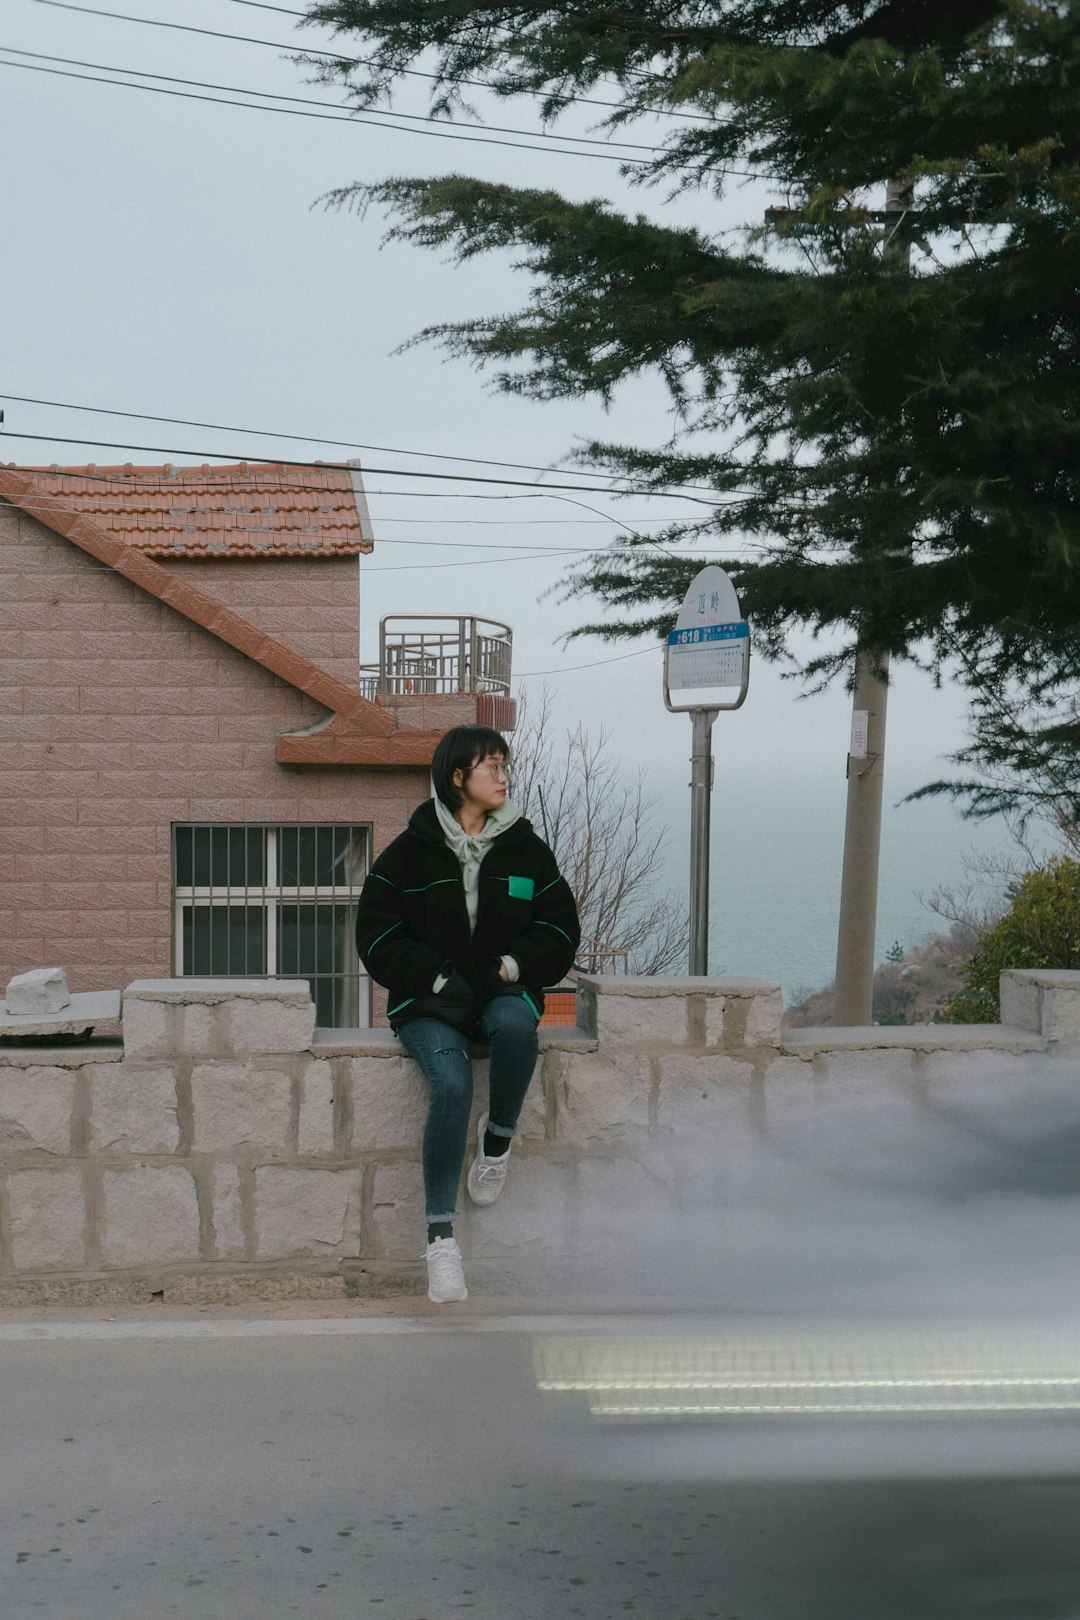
<point>426,654</point>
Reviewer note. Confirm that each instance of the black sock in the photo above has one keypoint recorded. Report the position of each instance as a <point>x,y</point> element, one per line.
<point>440,1229</point>
<point>495,1146</point>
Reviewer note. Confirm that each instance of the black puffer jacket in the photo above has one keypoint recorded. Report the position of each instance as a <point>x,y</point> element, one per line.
<point>412,923</point>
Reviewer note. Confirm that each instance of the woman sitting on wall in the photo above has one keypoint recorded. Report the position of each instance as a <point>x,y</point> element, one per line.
<point>464,918</point>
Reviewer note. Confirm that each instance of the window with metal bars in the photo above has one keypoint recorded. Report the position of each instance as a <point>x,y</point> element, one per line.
<point>276,902</point>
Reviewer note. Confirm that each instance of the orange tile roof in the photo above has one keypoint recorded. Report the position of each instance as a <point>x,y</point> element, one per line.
<point>258,510</point>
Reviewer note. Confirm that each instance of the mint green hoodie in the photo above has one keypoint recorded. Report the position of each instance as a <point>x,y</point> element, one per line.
<point>470,851</point>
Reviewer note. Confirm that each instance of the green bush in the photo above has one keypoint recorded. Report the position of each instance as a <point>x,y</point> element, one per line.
<point>1041,929</point>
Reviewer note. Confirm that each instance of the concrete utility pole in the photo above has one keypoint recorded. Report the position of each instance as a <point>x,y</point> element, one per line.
<point>854,992</point>
<point>853,996</point>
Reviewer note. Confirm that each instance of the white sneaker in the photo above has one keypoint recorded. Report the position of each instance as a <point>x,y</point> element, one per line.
<point>487,1177</point>
<point>446,1280</point>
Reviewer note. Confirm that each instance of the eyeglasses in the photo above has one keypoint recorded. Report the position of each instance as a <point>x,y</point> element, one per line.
<point>501,773</point>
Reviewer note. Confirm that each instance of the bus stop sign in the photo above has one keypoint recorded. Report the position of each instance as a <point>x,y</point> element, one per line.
<point>707,655</point>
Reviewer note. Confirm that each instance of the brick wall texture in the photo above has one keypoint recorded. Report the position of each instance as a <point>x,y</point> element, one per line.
<point>119,717</point>
<point>311,604</point>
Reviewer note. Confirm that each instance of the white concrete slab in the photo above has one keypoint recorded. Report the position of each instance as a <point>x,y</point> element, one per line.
<point>86,1010</point>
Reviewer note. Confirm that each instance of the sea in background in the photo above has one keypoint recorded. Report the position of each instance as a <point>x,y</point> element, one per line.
<point>777,852</point>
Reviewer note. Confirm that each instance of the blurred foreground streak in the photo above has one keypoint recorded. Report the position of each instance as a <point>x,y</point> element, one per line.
<point>789,1375</point>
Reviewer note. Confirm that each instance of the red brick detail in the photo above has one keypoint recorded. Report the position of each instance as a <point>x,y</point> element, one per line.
<point>497,710</point>
<point>560,1009</point>
<point>265,510</point>
<point>200,608</point>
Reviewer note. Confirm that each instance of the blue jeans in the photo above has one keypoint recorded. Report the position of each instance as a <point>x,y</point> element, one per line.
<point>444,1056</point>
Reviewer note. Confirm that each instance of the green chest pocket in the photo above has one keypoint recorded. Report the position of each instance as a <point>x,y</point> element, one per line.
<point>521,888</point>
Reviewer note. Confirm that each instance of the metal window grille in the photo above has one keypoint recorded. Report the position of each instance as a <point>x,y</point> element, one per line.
<point>274,902</point>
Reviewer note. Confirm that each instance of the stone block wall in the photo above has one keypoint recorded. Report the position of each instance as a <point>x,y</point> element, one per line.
<point>226,1149</point>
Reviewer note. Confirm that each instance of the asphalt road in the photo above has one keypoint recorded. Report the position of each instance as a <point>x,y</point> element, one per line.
<point>414,1471</point>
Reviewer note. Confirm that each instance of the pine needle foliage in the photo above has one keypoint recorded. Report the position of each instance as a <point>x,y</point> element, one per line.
<point>881,405</point>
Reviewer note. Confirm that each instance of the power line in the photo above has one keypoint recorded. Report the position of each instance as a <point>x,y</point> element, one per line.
<point>380,121</point>
<point>55,504</point>
<point>250,481</point>
<point>299,112</point>
<point>568,669</point>
<point>44,507</point>
<point>59,503</point>
<point>295,438</point>
<point>334,56</point>
<point>470,562</point>
<point>390,472</point>
<point>310,101</point>
<point>518,523</point>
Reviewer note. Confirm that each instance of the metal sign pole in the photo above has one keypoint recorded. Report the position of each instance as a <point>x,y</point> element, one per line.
<point>706,669</point>
<point>701,781</point>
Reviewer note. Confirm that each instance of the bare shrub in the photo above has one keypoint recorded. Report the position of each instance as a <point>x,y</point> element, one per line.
<point>599,821</point>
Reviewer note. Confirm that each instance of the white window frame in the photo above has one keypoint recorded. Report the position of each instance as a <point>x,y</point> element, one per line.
<point>269,896</point>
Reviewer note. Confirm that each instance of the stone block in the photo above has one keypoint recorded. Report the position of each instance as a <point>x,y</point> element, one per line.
<point>86,1011</point>
<point>753,1020</point>
<point>625,1232</point>
<point>313,1212</point>
<point>196,1030</point>
<point>601,1099</point>
<point>228,1216</point>
<point>790,1083</point>
<point>35,1109</point>
<point>763,1017</point>
<point>704,1098</point>
<point>266,1025</point>
<point>398,1212</point>
<point>48,1219</point>
<point>638,1020</point>
<point>1021,1001</point>
<point>1001,1104</point>
<point>1061,1014</point>
<point>389,1103</point>
<point>1045,999</point>
<point>146,1029</point>
<point>979,1075</point>
<point>234,1105</point>
<point>42,990</point>
<point>714,1020</point>
<point>532,1121</point>
<point>531,1221</point>
<point>868,1076</point>
<point>133,1109</point>
<point>867,1117</point>
<point>218,1016</point>
<point>316,1109</point>
<point>612,1192</point>
<point>151,1216</point>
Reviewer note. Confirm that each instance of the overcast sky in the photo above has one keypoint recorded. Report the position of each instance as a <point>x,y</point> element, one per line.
<point>169,256</point>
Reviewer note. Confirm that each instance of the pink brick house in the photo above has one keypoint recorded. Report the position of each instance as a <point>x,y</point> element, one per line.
<point>190,779</point>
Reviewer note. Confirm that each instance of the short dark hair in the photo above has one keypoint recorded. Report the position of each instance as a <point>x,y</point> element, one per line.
<point>459,750</point>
